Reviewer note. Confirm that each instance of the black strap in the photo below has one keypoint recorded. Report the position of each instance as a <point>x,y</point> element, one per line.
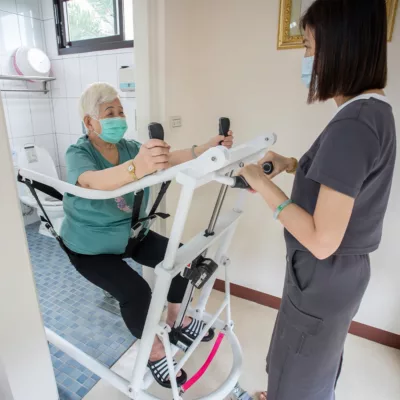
<point>41,187</point>
<point>161,193</point>
<point>31,185</point>
<point>34,194</point>
<point>137,205</point>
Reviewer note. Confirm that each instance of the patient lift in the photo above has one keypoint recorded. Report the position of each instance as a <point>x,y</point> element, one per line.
<point>218,165</point>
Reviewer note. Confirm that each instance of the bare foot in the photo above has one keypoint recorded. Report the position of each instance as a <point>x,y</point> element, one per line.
<point>263,396</point>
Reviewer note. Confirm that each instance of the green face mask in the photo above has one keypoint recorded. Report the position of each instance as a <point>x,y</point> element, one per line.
<point>113,129</point>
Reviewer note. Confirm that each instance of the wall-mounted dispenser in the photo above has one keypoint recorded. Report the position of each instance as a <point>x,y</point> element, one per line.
<point>127,79</point>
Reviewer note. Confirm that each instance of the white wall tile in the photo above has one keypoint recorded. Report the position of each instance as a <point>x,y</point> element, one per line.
<point>125,59</point>
<point>10,38</point>
<point>107,66</point>
<point>31,31</point>
<point>47,9</point>
<point>50,38</point>
<point>48,142</point>
<point>63,142</point>
<point>60,108</point>
<point>8,5</point>
<point>89,73</point>
<point>75,125</point>
<point>58,88</point>
<point>5,107</point>
<point>19,114</point>
<point>29,8</point>
<point>41,116</point>
<point>20,142</point>
<point>129,109</point>
<point>7,68</point>
<point>72,77</point>
<point>75,138</point>
<point>63,173</point>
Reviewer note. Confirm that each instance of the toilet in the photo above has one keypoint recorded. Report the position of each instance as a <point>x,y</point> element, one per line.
<point>38,159</point>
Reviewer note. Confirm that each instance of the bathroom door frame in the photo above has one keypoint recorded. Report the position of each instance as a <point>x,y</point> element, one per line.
<point>25,357</point>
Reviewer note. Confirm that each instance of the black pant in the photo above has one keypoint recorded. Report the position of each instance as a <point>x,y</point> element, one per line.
<point>112,274</point>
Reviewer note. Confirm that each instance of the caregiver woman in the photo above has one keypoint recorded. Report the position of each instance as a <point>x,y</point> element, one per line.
<point>334,218</point>
<point>96,232</point>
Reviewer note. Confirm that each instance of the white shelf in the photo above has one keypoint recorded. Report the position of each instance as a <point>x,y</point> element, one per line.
<point>42,79</point>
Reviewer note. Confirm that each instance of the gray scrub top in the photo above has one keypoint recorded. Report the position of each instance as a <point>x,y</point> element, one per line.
<point>354,155</point>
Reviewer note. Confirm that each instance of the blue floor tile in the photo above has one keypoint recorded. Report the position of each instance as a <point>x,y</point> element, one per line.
<point>78,311</point>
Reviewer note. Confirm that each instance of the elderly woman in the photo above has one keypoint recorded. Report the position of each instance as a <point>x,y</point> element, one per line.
<point>97,231</point>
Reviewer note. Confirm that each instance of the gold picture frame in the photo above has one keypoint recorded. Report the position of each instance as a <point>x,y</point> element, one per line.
<point>289,35</point>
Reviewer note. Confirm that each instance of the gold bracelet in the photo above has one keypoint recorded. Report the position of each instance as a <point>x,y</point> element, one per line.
<point>132,171</point>
<point>293,170</point>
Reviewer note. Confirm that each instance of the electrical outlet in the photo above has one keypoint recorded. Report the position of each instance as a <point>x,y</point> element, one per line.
<point>176,122</point>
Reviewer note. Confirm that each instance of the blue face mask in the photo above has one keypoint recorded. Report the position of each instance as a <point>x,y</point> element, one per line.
<point>113,129</point>
<point>306,70</point>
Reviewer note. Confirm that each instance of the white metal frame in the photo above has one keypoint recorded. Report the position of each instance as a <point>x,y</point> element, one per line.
<point>211,166</point>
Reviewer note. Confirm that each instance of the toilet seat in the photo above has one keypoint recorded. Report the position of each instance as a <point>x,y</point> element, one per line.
<point>49,202</point>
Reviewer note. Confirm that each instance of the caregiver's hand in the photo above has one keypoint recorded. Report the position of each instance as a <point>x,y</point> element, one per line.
<point>153,156</point>
<point>281,163</point>
<point>254,175</point>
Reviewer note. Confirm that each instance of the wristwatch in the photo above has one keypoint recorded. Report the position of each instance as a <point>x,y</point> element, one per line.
<point>295,164</point>
<point>132,171</point>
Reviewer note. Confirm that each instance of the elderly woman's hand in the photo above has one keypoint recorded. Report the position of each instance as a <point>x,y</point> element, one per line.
<point>153,156</point>
<point>221,140</point>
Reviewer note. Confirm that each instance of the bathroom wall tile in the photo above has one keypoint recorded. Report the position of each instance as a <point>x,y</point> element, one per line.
<point>29,8</point>
<point>60,108</point>
<point>48,142</point>
<point>129,108</point>
<point>58,88</point>
<point>20,142</point>
<point>47,9</point>
<point>63,142</point>
<point>10,38</point>
<point>75,126</point>
<point>63,173</point>
<point>72,77</point>
<point>7,68</point>
<point>107,66</point>
<point>8,5</point>
<point>20,115</point>
<point>5,107</point>
<point>50,38</point>
<point>89,73</point>
<point>41,116</point>
<point>75,138</point>
<point>125,59</point>
<point>31,31</point>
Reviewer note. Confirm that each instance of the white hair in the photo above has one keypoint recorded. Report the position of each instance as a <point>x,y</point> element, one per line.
<point>93,96</point>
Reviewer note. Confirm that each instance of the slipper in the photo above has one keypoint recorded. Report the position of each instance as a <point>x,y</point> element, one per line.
<point>194,329</point>
<point>159,370</point>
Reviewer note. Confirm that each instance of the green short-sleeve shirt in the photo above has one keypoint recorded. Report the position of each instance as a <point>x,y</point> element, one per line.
<point>97,226</point>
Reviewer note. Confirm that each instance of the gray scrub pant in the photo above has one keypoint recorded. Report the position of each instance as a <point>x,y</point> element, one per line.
<point>319,301</point>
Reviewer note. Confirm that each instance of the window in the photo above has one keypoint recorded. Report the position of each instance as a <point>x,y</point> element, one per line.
<point>93,25</point>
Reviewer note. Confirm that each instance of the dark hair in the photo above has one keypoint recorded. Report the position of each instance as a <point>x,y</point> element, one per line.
<point>351,47</point>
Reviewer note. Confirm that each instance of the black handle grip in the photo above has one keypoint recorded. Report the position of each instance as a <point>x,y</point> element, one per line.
<point>224,126</point>
<point>268,168</point>
<point>241,183</point>
<point>156,131</point>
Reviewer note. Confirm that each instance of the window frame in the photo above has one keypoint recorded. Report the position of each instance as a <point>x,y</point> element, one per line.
<point>88,45</point>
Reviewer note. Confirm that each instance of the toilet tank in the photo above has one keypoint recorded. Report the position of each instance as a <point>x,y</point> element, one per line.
<point>37,159</point>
